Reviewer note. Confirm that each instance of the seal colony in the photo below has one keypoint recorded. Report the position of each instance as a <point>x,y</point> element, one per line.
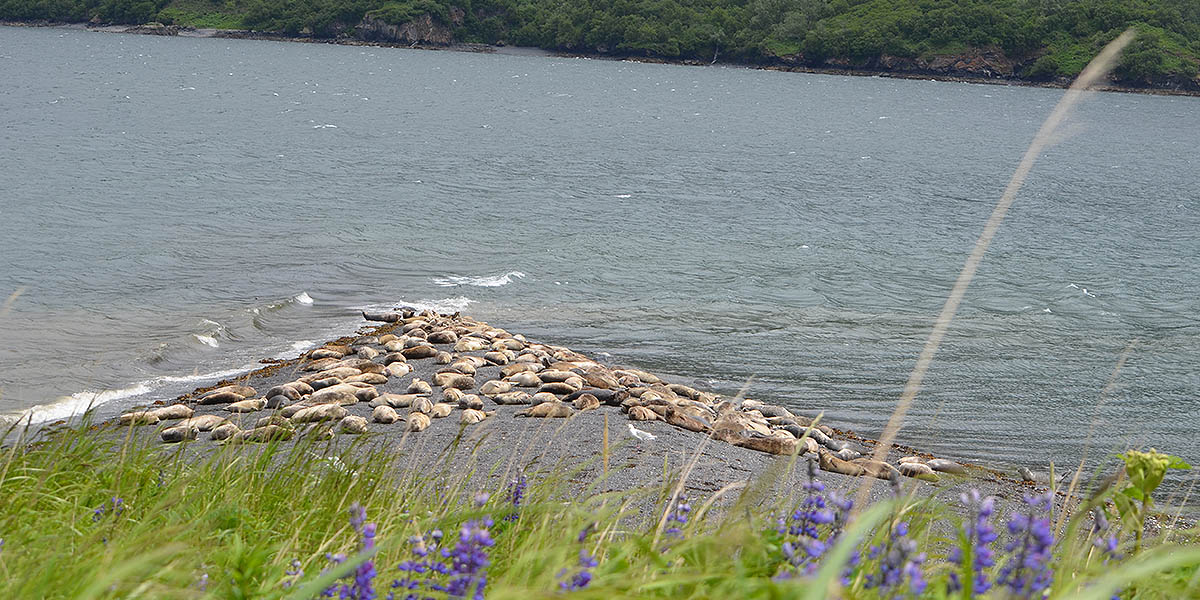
<point>421,368</point>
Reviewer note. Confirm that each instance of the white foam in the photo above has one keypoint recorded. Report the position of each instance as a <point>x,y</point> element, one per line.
<point>444,305</point>
<point>207,340</point>
<point>478,281</point>
<point>303,298</point>
<point>297,348</point>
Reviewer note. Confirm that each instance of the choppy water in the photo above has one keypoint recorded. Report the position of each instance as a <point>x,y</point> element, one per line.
<point>173,208</point>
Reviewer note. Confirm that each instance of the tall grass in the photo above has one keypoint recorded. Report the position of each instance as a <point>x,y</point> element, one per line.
<point>105,514</point>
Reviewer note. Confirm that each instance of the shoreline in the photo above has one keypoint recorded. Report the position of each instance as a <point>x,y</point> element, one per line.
<point>724,460</point>
<point>928,75</point>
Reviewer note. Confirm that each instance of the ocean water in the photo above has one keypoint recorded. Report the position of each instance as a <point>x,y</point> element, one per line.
<point>173,210</point>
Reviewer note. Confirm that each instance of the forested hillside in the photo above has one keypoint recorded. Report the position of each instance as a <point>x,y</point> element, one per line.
<point>1025,39</point>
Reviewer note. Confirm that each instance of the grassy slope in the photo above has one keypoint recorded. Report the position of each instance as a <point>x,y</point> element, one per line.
<point>233,523</point>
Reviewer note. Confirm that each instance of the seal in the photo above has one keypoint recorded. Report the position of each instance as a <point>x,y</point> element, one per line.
<point>555,410</point>
<point>441,410</point>
<point>641,413</point>
<point>223,432</point>
<point>179,433</point>
<point>494,387</point>
<point>512,398</point>
<point>472,416</point>
<point>418,422</point>
<point>385,414</point>
<point>320,412</point>
<point>586,402</point>
<point>470,402</point>
<point>353,425</point>
<point>419,387</point>
<point>947,466</point>
<point>454,380</point>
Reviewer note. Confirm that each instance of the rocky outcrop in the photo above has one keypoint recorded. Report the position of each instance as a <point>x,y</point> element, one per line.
<point>423,30</point>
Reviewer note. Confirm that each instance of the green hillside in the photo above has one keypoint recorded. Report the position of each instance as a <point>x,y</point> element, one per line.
<point>1025,39</point>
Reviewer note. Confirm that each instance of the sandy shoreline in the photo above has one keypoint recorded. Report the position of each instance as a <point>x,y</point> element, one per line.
<point>504,443</point>
<point>175,31</point>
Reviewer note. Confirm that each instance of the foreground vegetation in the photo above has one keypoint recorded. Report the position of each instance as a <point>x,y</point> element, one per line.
<point>92,515</point>
<point>1030,39</point>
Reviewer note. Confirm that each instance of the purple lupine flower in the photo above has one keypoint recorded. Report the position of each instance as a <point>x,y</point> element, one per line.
<point>979,536</point>
<point>420,571</point>
<point>362,585</point>
<point>804,541</point>
<point>469,560</point>
<point>516,494</point>
<point>899,563</point>
<point>581,578</point>
<point>1027,571</point>
<point>294,573</point>
<point>202,583</point>
<point>115,507</point>
<point>678,517</point>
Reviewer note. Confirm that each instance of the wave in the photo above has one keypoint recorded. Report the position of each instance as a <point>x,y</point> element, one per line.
<point>478,281</point>
<point>207,340</point>
<point>302,298</point>
<point>444,305</point>
<point>79,402</point>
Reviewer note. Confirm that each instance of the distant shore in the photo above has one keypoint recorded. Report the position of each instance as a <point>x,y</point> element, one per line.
<point>192,32</point>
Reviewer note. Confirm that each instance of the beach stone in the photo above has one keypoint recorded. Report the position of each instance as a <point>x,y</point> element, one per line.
<point>454,380</point>
<point>469,344</point>
<point>419,386</point>
<point>441,410</point>
<point>918,470</point>
<point>470,402</point>
<point>353,425</point>
<point>398,369</point>
<point>422,405</point>
<point>385,414</point>
<point>471,416</point>
<point>320,412</point>
<point>223,432</point>
<point>269,433</point>
<point>419,352</point>
<point>418,422</point>
<point>541,397</point>
<point>641,413</point>
<point>369,378</point>
<point>586,402</point>
<point>556,410</point>
<point>947,466</point>
<point>247,406</point>
<point>556,388</point>
<point>512,398</point>
<point>179,433</point>
<point>142,417</point>
<point>495,386</point>
<point>367,352</point>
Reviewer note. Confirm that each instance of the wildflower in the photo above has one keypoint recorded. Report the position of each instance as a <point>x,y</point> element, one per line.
<point>979,537</point>
<point>516,494</point>
<point>115,507</point>
<point>805,541</point>
<point>581,578</point>
<point>362,587</point>
<point>481,499</point>
<point>295,573</point>
<point>202,583</point>
<point>469,560</point>
<point>678,517</point>
<point>1106,542</point>
<point>899,563</point>
<point>1027,571</point>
